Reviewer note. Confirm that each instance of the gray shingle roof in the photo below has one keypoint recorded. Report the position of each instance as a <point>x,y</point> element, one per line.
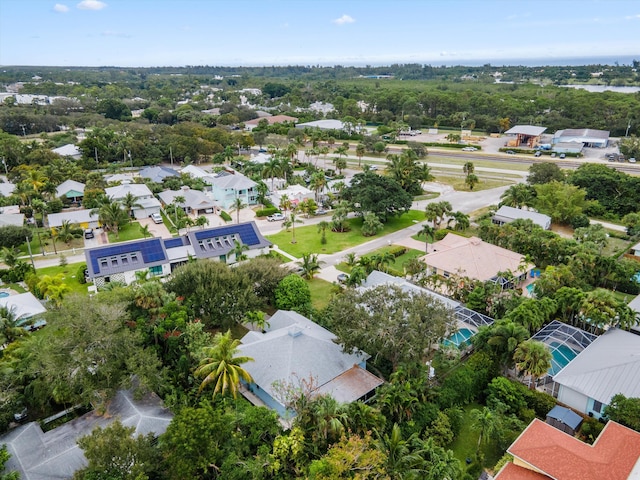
<point>507,214</point>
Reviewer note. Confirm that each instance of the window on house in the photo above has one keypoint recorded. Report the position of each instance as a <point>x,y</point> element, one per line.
<point>597,406</point>
<point>446,274</point>
<point>104,263</point>
<point>201,244</point>
<point>114,262</point>
<point>155,271</point>
<point>134,258</point>
<point>124,259</point>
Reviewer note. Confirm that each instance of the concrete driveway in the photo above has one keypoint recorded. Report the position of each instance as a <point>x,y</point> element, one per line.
<point>156,229</point>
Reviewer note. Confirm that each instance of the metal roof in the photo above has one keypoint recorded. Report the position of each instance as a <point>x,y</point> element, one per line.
<point>507,214</point>
<point>566,416</point>
<point>530,130</point>
<point>610,365</point>
<point>72,216</point>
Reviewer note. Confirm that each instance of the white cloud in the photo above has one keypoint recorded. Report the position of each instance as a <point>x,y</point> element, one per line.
<point>633,17</point>
<point>344,19</point>
<point>91,5</point>
<point>60,8</point>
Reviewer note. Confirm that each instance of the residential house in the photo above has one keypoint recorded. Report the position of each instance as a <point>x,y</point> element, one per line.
<point>83,218</point>
<point>478,260</point>
<point>271,120</point>
<point>26,308</point>
<point>147,203</point>
<point>507,214</point>
<point>38,455</point>
<point>195,201</point>
<point>68,150</point>
<point>329,124</point>
<point>157,174</point>
<point>10,215</point>
<point>159,257</point>
<point>118,178</point>
<point>608,366</point>
<point>295,194</point>
<point>635,251</point>
<point>635,306</point>
<point>295,351</point>
<point>542,452</point>
<point>71,190</point>
<point>226,187</point>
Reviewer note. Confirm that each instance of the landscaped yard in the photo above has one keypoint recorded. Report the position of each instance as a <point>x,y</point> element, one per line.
<point>397,265</point>
<point>457,182</point>
<point>465,443</point>
<point>38,243</point>
<point>69,273</point>
<point>321,292</point>
<point>308,238</point>
<point>130,231</point>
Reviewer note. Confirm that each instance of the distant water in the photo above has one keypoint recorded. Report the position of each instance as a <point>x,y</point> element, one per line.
<point>604,88</point>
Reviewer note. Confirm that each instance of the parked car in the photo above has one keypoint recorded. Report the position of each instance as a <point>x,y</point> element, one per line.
<point>88,233</point>
<point>510,152</point>
<point>321,211</point>
<point>276,217</point>
<point>632,160</point>
<point>343,277</point>
<point>156,217</point>
<point>537,154</point>
<point>562,155</point>
<point>21,415</point>
<point>469,149</point>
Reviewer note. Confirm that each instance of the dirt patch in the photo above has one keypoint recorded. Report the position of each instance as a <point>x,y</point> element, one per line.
<point>563,230</point>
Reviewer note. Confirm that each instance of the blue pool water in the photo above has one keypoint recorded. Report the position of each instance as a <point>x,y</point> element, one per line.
<point>460,338</point>
<point>637,277</point>
<point>3,294</point>
<point>562,355</point>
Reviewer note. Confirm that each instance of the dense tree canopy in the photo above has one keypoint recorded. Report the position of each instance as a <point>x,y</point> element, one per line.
<point>381,195</point>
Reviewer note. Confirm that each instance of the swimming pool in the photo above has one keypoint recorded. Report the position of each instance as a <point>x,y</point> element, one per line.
<point>3,294</point>
<point>561,356</point>
<point>530,288</point>
<point>460,338</point>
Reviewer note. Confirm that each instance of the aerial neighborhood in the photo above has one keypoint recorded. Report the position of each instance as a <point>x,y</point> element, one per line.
<point>376,273</point>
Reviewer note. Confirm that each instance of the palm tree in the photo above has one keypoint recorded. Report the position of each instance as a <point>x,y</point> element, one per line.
<point>437,211</point>
<point>238,250</point>
<point>310,265</point>
<point>112,216</point>
<point>317,182</point>
<point>129,202</point>
<point>471,180</point>
<point>534,359</point>
<point>222,366</point>
<point>201,221</point>
<point>271,170</point>
<point>461,220</point>
<point>42,208</point>
<point>486,422</point>
<point>360,151</point>
<point>178,200</point>
<point>429,233</point>
<point>10,329</point>
<point>68,231</point>
<point>322,229</point>
<point>330,417</point>
<point>144,230</point>
<point>518,196</point>
<point>505,338</point>
<point>10,256</point>
<point>239,205</point>
<point>468,168</point>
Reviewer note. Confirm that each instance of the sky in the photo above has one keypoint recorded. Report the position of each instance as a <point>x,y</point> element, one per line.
<point>144,33</point>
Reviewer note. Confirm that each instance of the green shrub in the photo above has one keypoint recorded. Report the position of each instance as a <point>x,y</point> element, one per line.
<point>266,211</point>
<point>80,273</point>
<point>440,234</point>
<point>398,250</point>
<point>590,429</point>
<point>225,216</point>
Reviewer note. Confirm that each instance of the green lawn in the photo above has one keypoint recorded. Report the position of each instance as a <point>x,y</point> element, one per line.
<point>130,231</point>
<point>457,182</point>
<point>39,243</point>
<point>397,265</point>
<point>69,273</point>
<point>321,292</point>
<point>308,238</point>
<point>464,444</point>
<point>615,246</point>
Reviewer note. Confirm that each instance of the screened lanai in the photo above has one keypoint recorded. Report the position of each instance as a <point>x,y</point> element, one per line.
<point>565,343</point>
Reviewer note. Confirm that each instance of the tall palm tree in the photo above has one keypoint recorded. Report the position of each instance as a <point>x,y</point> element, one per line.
<point>144,230</point>
<point>505,338</point>
<point>239,205</point>
<point>461,221</point>
<point>272,169</point>
<point>468,168</point>
<point>222,366</point>
<point>129,202</point>
<point>112,216</point>
<point>360,151</point>
<point>471,180</point>
<point>486,422</point>
<point>429,233</point>
<point>238,250</point>
<point>322,230</point>
<point>10,256</point>
<point>534,359</point>
<point>330,417</point>
<point>68,231</point>
<point>518,196</point>
<point>317,183</point>
<point>310,265</point>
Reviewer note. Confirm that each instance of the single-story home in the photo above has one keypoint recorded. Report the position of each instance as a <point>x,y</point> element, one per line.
<point>120,262</point>
<point>83,218</point>
<point>195,201</point>
<point>295,194</point>
<point>68,150</point>
<point>542,452</point>
<point>635,250</point>
<point>507,214</point>
<point>26,308</point>
<point>38,455</point>
<point>608,366</point>
<point>525,135</point>
<point>147,203</point>
<point>328,124</point>
<point>294,351</point>
<point>478,260</point>
<point>158,174</point>
<point>587,137</point>
<point>71,190</point>
<point>271,120</point>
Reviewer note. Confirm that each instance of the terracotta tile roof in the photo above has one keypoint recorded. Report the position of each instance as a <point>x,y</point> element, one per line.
<point>472,257</point>
<point>612,456</point>
<point>513,472</point>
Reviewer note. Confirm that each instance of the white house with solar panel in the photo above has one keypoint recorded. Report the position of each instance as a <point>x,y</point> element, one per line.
<point>159,257</point>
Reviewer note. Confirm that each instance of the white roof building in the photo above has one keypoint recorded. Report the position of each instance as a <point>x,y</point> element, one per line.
<point>68,150</point>
<point>23,305</point>
<point>16,219</point>
<point>610,365</point>
<point>507,214</point>
<point>323,124</point>
<point>6,189</point>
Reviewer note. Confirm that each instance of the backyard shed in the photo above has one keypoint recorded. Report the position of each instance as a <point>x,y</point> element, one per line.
<point>564,419</point>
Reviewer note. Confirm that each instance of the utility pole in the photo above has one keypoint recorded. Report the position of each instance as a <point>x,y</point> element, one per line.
<point>171,155</point>
<point>95,150</point>
<point>628,127</point>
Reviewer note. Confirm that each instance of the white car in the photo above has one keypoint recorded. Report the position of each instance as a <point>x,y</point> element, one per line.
<point>276,217</point>
<point>156,217</point>
<point>469,149</point>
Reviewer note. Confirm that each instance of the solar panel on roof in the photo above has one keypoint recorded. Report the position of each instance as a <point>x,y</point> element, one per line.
<point>246,232</point>
<point>173,242</point>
